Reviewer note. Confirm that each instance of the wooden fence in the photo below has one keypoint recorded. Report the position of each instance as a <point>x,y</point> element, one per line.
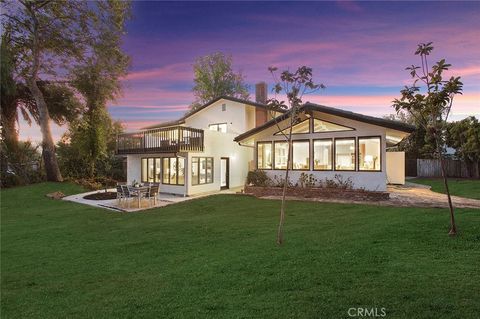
<point>431,168</point>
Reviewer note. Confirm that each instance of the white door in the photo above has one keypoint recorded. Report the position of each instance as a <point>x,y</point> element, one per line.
<point>224,172</point>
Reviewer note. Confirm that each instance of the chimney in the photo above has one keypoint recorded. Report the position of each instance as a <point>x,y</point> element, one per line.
<point>261,115</point>
<point>261,92</point>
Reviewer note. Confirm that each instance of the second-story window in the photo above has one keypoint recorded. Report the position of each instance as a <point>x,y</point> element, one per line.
<point>219,127</point>
<point>224,107</point>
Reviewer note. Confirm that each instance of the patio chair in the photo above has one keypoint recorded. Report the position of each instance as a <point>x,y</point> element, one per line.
<point>128,193</point>
<point>120,194</point>
<point>153,193</point>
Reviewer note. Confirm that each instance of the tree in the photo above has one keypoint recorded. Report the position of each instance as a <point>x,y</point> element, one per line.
<point>432,107</point>
<point>293,85</point>
<point>464,137</point>
<point>98,80</point>
<point>214,77</point>
<point>418,144</point>
<point>49,37</point>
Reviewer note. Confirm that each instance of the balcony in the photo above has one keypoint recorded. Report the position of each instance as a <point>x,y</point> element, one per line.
<point>161,140</point>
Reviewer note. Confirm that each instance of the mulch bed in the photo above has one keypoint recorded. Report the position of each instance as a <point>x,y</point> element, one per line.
<point>101,196</point>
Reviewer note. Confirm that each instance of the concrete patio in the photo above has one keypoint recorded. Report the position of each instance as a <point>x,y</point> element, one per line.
<point>113,204</point>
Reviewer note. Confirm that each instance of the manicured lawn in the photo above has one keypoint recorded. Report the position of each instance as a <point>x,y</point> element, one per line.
<point>216,258</point>
<point>469,188</point>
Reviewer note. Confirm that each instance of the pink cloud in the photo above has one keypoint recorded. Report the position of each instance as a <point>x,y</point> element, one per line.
<point>171,72</point>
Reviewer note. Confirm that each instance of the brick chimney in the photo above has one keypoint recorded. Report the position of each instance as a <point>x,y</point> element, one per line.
<point>261,97</point>
<point>261,92</point>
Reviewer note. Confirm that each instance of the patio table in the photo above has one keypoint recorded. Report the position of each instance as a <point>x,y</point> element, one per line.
<point>139,190</point>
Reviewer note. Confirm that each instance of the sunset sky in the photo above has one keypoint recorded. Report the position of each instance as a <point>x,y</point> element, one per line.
<point>359,50</point>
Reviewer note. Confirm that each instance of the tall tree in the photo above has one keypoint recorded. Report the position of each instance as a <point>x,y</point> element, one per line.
<point>98,80</point>
<point>214,77</point>
<point>292,85</point>
<point>431,106</point>
<point>464,137</point>
<point>49,37</point>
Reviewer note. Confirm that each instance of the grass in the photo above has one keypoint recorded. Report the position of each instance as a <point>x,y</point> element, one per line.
<point>469,188</point>
<point>216,257</point>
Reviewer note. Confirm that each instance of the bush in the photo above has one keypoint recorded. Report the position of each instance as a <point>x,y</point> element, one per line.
<point>20,164</point>
<point>258,178</point>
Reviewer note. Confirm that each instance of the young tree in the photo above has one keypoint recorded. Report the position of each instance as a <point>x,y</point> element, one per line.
<point>292,85</point>
<point>464,137</point>
<point>214,77</point>
<point>431,107</point>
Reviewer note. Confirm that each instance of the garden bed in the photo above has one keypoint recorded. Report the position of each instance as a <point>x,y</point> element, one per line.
<point>318,192</point>
<point>101,196</point>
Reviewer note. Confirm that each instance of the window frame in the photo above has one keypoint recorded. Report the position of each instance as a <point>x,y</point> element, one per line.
<point>358,153</point>
<point>206,170</point>
<point>320,132</point>
<point>335,154</point>
<point>272,155</point>
<point>332,155</point>
<point>310,121</point>
<point>154,159</point>
<point>218,125</point>
<point>309,155</point>
<point>176,171</point>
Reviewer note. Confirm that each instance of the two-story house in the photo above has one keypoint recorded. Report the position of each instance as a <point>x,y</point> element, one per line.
<point>215,146</point>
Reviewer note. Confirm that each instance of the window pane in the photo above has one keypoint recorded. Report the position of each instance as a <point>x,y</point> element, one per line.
<point>301,154</point>
<point>194,170</point>
<point>151,170</point>
<point>203,170</point>
<point>222,128</point>
<point>300,128</point>
<point>158,165</point>
<point>323,126</point>
<point>345,154</point>
<point>166,171</point>
<point>144,170</point>
<point>322,155</point>
<point>264,155</point>
<point>281,154</point>
<point>181,171</point>
<point>210,170</point>
<point>213,127</point>
<point>369,154</point>
<point>173,170</point>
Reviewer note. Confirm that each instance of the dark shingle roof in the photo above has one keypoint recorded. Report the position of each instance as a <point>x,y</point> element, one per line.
<point>183,118</point>
<point>396,125</point>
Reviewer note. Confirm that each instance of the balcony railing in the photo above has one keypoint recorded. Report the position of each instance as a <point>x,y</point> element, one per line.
<point>161,140</point>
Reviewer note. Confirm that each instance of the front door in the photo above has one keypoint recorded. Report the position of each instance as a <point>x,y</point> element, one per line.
<point>224,173</point>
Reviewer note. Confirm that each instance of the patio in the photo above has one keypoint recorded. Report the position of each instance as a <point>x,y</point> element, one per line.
<point>163,199</point>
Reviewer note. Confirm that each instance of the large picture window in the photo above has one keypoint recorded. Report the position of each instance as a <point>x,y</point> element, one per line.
<point>345,154</point>
<point>173,171</point>
<point>281,155</point>
<point>151,168</point>
<point>301,155</point>
<point>322,155</point>
<point>202,170</point>
<point>264,155</point>
<point>300,128</point>
<point>369,154</point>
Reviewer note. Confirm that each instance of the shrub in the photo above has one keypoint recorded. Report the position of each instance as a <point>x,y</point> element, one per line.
<point>306,180</point>
<point>258,178</point>
<point>337,182</point>
<point>20,164</point>
<point>280,181</point>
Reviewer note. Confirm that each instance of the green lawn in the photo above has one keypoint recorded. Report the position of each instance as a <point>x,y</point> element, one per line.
<point>216,258</point>
<point>469,188</point>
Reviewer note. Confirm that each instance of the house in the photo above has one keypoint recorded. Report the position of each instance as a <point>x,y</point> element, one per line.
<point>215,146</point>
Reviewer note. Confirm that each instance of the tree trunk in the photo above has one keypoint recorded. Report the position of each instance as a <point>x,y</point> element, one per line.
<point>453,227</point>
<point>48,147</point>
<point>10,134</point>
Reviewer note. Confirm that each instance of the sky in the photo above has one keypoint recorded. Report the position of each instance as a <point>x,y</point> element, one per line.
<point>357,49</point>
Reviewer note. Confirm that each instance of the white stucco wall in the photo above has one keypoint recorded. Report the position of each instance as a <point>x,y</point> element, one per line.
<point>396,168</point>
<point>218,145</point>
